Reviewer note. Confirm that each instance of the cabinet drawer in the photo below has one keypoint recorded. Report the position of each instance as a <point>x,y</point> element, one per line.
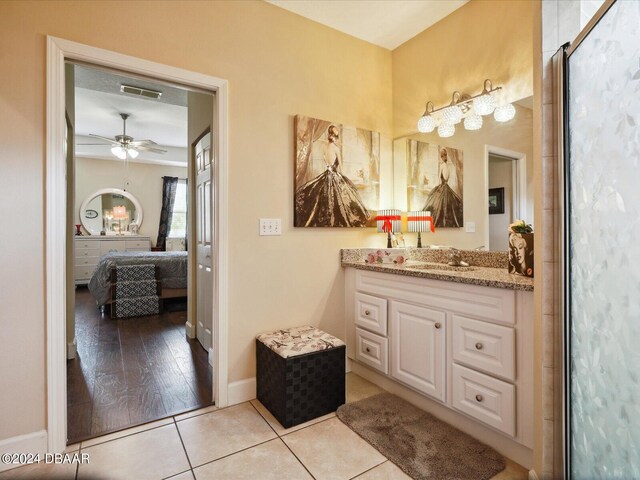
<point>137,249</point>
<point>88,252</point>
<point>137,244</point>
<point>487,399</point>
<point>372,350</point>
<point>86,261</point>
<point>112,246</point>
<point>484,346</point>
<point>87,243</point>
<point>371,313</point>
<point>83,272</point>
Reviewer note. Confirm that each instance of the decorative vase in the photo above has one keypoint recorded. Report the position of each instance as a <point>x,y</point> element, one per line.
<point>521,254</point>
<point>78,232</point>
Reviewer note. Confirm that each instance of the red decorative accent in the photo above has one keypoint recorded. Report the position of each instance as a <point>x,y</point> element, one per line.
<point>423,219</point>
<point>386,219</point>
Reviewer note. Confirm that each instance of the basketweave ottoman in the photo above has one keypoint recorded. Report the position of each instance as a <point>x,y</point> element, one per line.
<point>300,373</point>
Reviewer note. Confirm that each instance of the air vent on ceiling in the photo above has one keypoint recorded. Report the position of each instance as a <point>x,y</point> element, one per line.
<point>143,92</point>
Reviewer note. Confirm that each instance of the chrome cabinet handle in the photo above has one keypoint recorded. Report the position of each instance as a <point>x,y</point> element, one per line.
<point>438,325</point>
<point>479,398</point>
<point>479,346</point>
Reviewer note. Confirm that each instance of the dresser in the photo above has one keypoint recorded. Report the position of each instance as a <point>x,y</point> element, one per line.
<point>89,249</point>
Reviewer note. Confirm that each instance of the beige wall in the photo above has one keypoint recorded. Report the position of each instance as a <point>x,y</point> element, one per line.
<point>278,64</point>
<point>145,183</point>
<point>483,39</point>
<point>517,136</point>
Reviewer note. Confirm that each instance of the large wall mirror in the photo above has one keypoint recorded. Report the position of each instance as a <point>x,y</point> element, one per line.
<point>488,184</point>
<point>112,211</point>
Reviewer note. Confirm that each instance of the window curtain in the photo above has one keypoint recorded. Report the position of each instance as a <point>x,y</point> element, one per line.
<point>169,185</point>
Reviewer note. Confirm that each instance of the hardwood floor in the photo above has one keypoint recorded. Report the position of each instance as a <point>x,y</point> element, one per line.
<point>131,371</point>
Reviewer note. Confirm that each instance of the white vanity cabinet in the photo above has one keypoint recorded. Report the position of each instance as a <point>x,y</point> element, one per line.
<point>418,347</point>
<point>89,249</point>
<point>467,347</point>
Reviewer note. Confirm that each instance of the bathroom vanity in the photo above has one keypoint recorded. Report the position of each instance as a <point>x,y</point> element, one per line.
<point>460,338</point>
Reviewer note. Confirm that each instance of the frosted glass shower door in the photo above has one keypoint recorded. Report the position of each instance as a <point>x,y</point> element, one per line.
<point>603,247</point>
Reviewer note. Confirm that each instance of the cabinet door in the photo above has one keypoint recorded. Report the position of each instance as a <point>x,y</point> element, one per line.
<point>418,348</point>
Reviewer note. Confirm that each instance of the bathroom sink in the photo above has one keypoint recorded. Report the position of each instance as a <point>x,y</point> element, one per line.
<point>440,267</point>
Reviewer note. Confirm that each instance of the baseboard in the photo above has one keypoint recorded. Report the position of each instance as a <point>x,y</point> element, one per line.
<point>533,475</point>
<point>190,330</point>
<point>211,357</point>
<point>347,365</point>
<point>242,391</point>
<point>71,349</point>
<point>35,442</point>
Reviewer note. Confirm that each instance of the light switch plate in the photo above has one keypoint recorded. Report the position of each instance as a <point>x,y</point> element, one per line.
<point>270,226</point>
<point>470,227</point>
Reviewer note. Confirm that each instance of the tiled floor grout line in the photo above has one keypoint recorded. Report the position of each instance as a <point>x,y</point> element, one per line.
<point>180,473</point>
<point>239,451</point>
<point>130,434</point>
<point>297,458</point>
<point>175,424</point>
<point>368,470</point>
<point>298,430</point>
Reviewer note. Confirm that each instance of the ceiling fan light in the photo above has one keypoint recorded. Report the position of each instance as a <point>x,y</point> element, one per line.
<point>133,153</point>
<point>119,152</point>
<point>426,124</point>
<point>484,104</point>
<point>504,113</point>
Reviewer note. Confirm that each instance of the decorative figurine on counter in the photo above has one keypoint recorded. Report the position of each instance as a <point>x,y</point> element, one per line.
<point>78,232</point>
<point>521,248</point>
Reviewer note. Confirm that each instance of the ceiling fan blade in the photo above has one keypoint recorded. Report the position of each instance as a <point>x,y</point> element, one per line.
<point>143,142</point>
<point>105,138</point>
<point>142,148</point>
<point>93,144</point>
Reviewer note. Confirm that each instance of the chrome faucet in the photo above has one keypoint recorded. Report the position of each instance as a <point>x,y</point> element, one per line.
<point>455,259</point>
<point>481,247</point>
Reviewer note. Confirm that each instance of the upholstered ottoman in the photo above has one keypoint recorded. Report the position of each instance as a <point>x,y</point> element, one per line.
<point>300,373</point>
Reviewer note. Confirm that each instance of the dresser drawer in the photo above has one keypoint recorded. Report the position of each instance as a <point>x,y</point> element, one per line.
<point>137,249</point>
<point>88,252</point>
<point>86,261</point>
<point>372,350</point>
<point>112,246</point>
<point>81,243</point>
<point>484,398</point>
<point>83,272</point>
<point>135,245</point>
<point>371,313</point>
<point>484,346</point>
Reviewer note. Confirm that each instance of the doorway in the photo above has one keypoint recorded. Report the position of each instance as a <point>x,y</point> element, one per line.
<point>59,52</point>
<point>131,359</point>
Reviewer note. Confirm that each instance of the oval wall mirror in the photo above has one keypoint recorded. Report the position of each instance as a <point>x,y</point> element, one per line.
<point>112,210</point>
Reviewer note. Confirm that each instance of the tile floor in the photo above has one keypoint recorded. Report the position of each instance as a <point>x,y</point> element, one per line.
<point>240,442</point>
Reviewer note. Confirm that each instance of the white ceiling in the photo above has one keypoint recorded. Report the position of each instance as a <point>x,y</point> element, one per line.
<point>387,23</point>
<point>98,104</point>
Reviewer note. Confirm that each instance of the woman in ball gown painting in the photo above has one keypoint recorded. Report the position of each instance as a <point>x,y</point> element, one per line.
<point>330,199</point>
<point>443,202</point>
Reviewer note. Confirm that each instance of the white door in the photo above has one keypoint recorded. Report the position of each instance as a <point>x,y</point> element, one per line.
<point>204,222</point>
<point>418,348</point>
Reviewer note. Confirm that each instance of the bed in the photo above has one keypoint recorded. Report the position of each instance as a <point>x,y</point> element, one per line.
<point>171,271</point>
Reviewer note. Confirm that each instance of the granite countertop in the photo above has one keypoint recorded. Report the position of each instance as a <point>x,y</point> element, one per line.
<point>419,264</point>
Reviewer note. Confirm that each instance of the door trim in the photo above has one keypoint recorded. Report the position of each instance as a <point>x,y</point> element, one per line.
<point>59,50</point>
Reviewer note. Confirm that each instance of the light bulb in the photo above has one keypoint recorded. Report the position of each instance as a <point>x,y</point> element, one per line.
<point>451,115</point>
<point>446,130</point>
<point>504,113</point>
<point>119,152</point>
<point>426,124</point>
<point>484,104</point>
<point>133,153</point>
<point>473,122</point>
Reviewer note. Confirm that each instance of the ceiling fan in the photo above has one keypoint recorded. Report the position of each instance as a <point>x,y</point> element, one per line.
<point>124,144</point>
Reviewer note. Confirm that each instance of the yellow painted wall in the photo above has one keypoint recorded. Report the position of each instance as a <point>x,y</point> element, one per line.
<point>483,39</point>
<point>278,64</point>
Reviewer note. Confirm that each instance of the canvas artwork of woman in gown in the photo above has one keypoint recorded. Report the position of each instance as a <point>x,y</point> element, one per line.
<point>443,202</point>
<point>330,199</point>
